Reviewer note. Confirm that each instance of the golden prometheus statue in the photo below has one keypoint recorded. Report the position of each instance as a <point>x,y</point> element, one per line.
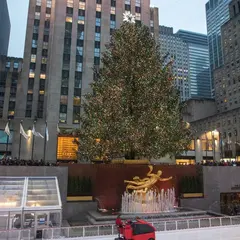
<point>143,185</point>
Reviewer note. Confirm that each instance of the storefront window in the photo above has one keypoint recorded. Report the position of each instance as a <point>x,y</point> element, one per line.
<point>185,161</point>
<point>191,146</point>
<point>207,141</point>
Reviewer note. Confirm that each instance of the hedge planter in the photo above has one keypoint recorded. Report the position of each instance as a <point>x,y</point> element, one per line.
<point>79,187</point>
<point>191,185</point>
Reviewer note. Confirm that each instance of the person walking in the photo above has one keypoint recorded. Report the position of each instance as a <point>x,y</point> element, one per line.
<point>119,225</point>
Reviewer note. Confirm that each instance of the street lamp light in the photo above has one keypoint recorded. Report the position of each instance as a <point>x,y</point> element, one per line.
<point>214,144</point>
<point>206,144</point>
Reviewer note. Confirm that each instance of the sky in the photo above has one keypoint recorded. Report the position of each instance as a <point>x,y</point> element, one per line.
<point>186,14</point>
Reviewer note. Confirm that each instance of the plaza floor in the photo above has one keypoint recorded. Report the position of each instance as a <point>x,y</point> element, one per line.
<point>219,233</point>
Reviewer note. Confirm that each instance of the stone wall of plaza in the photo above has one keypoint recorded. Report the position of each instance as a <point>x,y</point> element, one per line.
<point>108,182</point>
<point>216,180</point>
<point>108,179</point>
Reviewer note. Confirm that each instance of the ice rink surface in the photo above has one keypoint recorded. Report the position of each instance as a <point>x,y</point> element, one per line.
<point>218,233</point>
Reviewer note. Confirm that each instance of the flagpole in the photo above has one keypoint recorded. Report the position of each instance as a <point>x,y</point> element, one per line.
<point>7,138</point>
<point>220,136</point>
<point>33,141</point>
<point>206,146</point>
<point>20,141</point>
<point>45,142</point>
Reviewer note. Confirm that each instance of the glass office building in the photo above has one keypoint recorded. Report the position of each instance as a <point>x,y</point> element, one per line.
<point>217,14</point>
<point>198,57</point>
<point>176,48</point>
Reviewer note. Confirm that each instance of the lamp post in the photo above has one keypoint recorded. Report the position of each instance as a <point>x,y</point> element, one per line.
<point>230,146</point>
<point>8,138</point>
<point>221,147</point>
<point>213,144</point>
<point>20,141</point>
<point>197,148</point>
<point>33,140</point>
<point>45,141</point>
<point>206,144</point>
<point>236,143</point>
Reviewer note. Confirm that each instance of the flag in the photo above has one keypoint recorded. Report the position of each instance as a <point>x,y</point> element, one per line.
<point>35,133</point>
<point>58,129</point>
<point>22,132</point>
<point>7,130</point>
<point>46,132</point>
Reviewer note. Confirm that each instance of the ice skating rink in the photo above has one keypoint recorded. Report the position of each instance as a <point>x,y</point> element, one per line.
<point>218,233</point>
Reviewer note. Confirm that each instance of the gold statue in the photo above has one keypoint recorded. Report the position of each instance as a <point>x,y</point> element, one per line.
<point>143,185</point>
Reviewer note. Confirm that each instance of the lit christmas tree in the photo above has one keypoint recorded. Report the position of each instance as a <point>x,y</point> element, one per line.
<point>134,109</point>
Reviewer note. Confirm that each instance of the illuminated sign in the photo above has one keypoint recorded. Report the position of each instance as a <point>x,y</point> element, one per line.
<point>67,149</point>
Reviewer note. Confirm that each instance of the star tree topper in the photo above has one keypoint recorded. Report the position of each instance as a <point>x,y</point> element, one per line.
<point>128,17</point>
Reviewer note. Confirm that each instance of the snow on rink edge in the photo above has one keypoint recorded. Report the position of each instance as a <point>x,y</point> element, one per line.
<point>215,233</point>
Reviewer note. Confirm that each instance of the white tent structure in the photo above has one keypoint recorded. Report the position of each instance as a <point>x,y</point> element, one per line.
<point>30,203</point>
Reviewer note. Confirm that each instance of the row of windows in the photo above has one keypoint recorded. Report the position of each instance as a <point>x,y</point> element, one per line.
<point>43,66</point>
<point>66,64</point>
<point>13,77</point>
<point>66,61</point>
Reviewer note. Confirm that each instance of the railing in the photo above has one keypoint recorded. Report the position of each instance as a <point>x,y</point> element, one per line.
<point>16,235</point>
<point>106,230</point>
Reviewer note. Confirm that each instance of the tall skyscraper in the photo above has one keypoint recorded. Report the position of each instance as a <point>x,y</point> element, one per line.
<point>64,40</point>
<point>217,14</point>
<point>175,47</point>
<point>198,57</point>
<point>5,27</point>
<point>227,77</point>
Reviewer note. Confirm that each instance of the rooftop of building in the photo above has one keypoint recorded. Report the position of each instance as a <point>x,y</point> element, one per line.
<point>213,4</point>
<point>3,57</point>
<point>193,37</point>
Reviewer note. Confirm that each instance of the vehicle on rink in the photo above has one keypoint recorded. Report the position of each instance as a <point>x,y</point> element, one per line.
<point>136,230</point>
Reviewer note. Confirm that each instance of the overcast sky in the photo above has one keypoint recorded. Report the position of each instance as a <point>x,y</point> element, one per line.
<point>185,14</point>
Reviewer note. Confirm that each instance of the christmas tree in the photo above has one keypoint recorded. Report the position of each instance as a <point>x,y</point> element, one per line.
<point>134,109</point>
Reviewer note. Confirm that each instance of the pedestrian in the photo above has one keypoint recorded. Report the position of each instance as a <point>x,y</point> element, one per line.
<point>119,225</point>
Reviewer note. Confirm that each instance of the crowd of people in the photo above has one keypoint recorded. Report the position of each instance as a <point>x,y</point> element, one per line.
<point>221,163</point>
<point>8,161</point>
<point>21,162</point>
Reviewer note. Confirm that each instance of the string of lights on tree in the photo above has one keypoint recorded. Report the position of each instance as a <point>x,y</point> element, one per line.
<point>133,109</point>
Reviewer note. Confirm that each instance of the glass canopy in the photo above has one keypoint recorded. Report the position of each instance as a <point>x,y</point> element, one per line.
<point>29,193</point>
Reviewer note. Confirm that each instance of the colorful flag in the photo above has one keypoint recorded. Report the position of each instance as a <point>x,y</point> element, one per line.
<point>7,130</point>
<point>22,132</point>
